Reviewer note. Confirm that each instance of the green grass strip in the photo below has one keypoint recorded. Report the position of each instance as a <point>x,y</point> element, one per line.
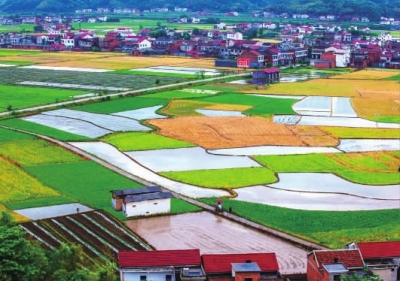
<point>179,206</point>
<point>224,178</point>
<point>42,130</point>
<point>41,202</point>
<point>7,135</point>
<point>143,141</point>
<point>317,226</point>
<point>385,119</point>
<point>177,94</point>
<point>365,133</point>
<point>121,104</point>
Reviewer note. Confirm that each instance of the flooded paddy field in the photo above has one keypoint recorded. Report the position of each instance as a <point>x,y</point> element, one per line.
<point>213,234</point>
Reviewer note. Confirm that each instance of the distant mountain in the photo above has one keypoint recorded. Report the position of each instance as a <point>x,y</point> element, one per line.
<point>368,8</point>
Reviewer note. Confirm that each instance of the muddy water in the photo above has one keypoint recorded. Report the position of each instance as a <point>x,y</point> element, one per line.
<point>215,235</point>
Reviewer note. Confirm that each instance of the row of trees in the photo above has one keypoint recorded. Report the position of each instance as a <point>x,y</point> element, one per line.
<point>21,260</point>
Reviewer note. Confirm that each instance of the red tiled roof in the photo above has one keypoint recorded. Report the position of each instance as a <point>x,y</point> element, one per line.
<point>223,262</point>
<point>380,249</point>
<point>159,258</point>
<point>350,258</point>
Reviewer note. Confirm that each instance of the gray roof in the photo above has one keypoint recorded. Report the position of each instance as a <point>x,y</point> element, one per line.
<point>246,267</point>
<point>335,267</point>
<point>148,196</point>
<point>135,191</point>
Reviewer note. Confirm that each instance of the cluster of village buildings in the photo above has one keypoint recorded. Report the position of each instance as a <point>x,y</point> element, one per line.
<point>363,259</point>
<point>324,46</point>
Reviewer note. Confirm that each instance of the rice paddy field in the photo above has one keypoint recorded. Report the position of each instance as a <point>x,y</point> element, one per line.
<point>214,120</point>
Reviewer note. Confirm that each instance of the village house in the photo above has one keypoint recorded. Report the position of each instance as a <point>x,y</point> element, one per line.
<point>241,267</point>
<point>234,35</point>
<point>329,265</point>
<point>124,31</point>
<point>168,265</point>
<point>266,76</point>
<point>382,258</point>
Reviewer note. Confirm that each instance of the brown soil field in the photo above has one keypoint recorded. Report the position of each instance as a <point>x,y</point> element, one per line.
<point>230,132</point>
<point>367,74</point>
<point>366,107</point>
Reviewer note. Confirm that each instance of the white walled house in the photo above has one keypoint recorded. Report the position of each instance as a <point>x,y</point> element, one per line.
<point>125,32</point>
<point>234,35</point>
<point>147,204</point>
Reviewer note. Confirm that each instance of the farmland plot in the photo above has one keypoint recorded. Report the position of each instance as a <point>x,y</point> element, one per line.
<point>359,145</point>
<point>65,68</point>
<point>232,132</point>
<point>142,113</point>
<point>40,213</point>
<point>221,113</point>
<point>109,122</point>
<point>187,159</point>
<point>117,158</point>
<point>325,106</point>
<point>273,150</point>
<point>98,233</point>
<point>301,200</point>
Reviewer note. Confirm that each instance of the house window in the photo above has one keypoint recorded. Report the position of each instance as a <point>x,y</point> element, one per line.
<point>168,277</point>
<point>143,278</point>
<point>155,203</point>
<point>248,279</point>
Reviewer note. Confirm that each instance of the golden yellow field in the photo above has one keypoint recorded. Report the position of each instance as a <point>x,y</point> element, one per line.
<point>366,107</point>
<point>130,62</point>
<point>47,57</point>
<point>229,132</point>
<point>367,74</point>
<point>329,87</point>
<point>17,185</point>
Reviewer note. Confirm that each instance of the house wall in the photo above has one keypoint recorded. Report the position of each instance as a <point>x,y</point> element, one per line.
<point>313,273</point>
<point>385,273</point>
<point>125,275</point>
<point>149,207</point>
<point>241,276</point>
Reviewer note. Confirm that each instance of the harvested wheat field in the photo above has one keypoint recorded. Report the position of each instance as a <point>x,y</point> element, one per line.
<point>374,107</point>
<point>48,58</point>
<point>367,74</point>
<point>230,132</point>
<point>328,87</point>
<point>131,62</point>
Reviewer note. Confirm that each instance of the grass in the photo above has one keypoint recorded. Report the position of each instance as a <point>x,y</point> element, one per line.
<point>143,141</point>
<point>367,170</point>
<point>368,160</point>
<point>17,63</point>
<point>179,206</point>
<point>366,133</point>
<point>328,228</point>
<point>42,130</point>
<point>12,52</point>
<point>32,152</point>
<point>10,135</point>
<point>22,97</point>
<point>17,185</point>
<point>16,217</point>
<point>224,178</point>
<point>260,105</point>
<point>394,77</point>
<point>121,104</point>
<point>87,182</point>
<point>177,94</point>
<point>385,119</point>
<point>41,202</point>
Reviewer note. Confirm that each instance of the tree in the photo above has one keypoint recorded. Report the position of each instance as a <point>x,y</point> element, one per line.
<point>196,31</point>
<point>365,277</point>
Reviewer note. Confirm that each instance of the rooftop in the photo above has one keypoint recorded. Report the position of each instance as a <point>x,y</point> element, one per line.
<point>349,258</point>
<point>387,249</point>
<point>148,196</point>
<point>246,267</point>
<point>190,257</point>
<point>135,191</point>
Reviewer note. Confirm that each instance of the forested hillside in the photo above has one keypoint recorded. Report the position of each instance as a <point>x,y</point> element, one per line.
<point>369,8</point>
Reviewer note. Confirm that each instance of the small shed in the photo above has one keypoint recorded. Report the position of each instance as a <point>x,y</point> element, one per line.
<point>118,196</point>
<point>147,204</point>
<point>265,76</point>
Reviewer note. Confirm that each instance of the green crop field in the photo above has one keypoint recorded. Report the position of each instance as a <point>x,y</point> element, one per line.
<point>32,152</point>
<point>365,133</point>
<point>86,181</point>
<point>224,178</point>
<point>177,94</point>
<point>122,104</point>
<point>42,130</point>
<point>324,163</point>
<point>12,52</point>
<point>185,107</point>
<point>179,206</point>
<point>17,185</point>
<point>333,229</point>
<point>22,97</point>
<point>143,141</point>
<point>261,105</point>
<point>10,135</point>
<point>162,74</point>
<point>385,119</point>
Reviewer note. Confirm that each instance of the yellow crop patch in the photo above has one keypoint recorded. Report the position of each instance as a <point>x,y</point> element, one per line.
<point>367,74</point>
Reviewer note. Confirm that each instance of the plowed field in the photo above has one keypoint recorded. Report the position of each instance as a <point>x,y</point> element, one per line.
<point>229,132</point>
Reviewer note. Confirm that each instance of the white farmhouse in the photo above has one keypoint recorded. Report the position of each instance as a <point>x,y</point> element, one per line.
<point>147,204</point>
<point>234,36</point>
